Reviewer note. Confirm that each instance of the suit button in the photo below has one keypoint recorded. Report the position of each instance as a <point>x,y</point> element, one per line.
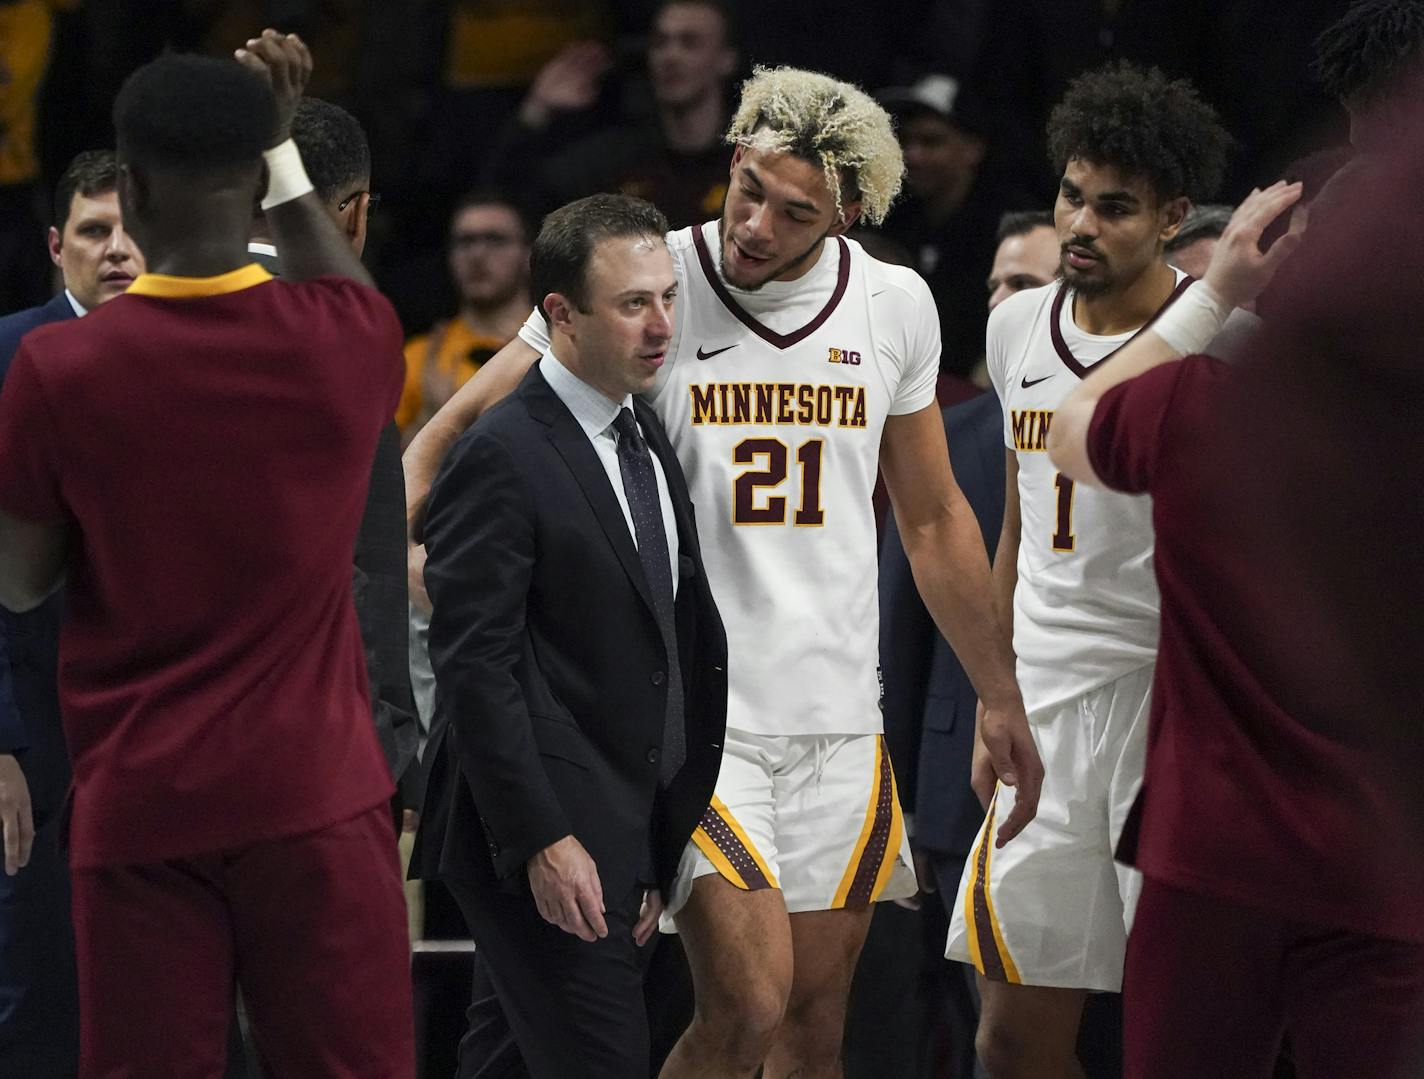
<point>652,756</point>
<point>658,678</point>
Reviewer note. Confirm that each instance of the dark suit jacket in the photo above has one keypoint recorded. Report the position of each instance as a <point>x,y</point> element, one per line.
<point>29,643</point>
<point>549,661</point>
<point>929,701</point>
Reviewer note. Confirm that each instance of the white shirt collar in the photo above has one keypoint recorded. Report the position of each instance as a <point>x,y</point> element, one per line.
<point>594,411</point>
<point>257,247</point>
<point>79,308</point>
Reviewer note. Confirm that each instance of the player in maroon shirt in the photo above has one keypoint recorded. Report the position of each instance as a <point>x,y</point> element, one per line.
<point>1280,832</point>
<point>194,458</point>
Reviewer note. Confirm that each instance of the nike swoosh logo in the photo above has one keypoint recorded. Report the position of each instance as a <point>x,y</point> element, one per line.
<point>1026,384</point>
<point>715,352</point>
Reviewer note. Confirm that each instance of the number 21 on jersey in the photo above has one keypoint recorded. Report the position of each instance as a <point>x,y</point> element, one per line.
<point>771,458</point>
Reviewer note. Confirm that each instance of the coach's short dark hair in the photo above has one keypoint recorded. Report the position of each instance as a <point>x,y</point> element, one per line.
<point>333,147</point>
<point>1145,125</point>
<point>559,261</point>
<point>194,115</point>
<point>92,172</point>
<point>1204,222</point>
<point>1022,222</point>
<point>1363,56</point>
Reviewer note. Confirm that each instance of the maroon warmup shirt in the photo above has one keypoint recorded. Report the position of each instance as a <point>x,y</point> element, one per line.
<point>1258,789</point>
<point>209,442</point>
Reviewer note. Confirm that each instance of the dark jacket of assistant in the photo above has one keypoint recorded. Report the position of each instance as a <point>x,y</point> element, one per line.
<point>549,662</point>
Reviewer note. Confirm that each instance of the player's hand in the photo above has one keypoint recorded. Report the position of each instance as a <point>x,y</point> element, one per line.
<point>568,82</point>
<point>415,571</point>
<point>1239,272</point>
<point>1013,757</point>
<point>16,815</point>
<point>647,923</point>
<point>567,890</point>
<point>286,63</point>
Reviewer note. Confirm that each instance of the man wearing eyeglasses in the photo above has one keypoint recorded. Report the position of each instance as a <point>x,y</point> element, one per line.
<point>488,259</point>
<point>338,162</point>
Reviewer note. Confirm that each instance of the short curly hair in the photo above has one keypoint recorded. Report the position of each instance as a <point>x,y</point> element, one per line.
<point>828,122</point>
<point>1144,124</point>
<point>1362,57</point>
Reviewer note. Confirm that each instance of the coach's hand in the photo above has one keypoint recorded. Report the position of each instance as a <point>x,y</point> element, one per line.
<point>567,890</point>
<point>286,63</point>
<point>647,923</point>
<point>1010,756</point>
<point>15,814</point>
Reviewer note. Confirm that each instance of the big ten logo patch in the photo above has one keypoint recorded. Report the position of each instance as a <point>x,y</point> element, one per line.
<point>845,356</point>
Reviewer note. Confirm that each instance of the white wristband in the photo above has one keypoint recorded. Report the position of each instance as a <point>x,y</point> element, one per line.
<point>1193,320</point>
<point>286,175</point>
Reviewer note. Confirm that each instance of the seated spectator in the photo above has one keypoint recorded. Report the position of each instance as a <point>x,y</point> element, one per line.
<point>956,197</point>
<point>675,158</point>
<point>489,265</point>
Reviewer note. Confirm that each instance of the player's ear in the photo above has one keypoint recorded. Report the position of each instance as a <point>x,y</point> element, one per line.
<point>55,244</point>
<point>1174,213</point>
<point>850,209</point>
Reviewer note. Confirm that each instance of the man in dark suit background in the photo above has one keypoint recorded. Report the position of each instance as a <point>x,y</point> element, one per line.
<point>39,1007</point>
<point>579,655</point>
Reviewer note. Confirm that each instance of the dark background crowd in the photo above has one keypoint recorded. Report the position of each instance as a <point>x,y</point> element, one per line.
<point>483,115</point>
<point>541,101</point>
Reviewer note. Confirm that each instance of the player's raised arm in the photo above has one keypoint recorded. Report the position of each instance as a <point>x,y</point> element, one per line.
<point>495,380</point>
<point>311,244</point>
<point>946,552</point>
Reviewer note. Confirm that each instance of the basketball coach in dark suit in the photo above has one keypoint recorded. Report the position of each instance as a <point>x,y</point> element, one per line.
<point>580,659</point>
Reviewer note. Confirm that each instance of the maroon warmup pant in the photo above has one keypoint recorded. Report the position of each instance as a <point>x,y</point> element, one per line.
<point>312,927</point>
<point>1211,987</point>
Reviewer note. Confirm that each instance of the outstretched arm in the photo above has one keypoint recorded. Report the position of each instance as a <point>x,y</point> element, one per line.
<point>946,552</point>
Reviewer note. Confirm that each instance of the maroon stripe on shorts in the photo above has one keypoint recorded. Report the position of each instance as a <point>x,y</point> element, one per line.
<point>733,849</point>
<point>862,888</point>
<point>983,926</point>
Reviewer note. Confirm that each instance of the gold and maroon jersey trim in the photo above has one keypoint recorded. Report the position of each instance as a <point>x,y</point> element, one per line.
<point>780,340</point>
<point>169,287</point>
<point>987,949</point>
<point>879,844</point>
<point>726,845</point>
<point>1065,353</point>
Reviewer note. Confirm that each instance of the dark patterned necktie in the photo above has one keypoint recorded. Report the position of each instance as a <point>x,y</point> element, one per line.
<point>640,484</point>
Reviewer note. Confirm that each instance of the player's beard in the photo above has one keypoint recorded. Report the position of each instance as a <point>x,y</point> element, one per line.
<point>1091,285</point>
<point>772,275</point>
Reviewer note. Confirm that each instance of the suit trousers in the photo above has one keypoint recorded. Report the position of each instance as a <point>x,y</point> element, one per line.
<point>312,927</point>
<point>576,1008</point>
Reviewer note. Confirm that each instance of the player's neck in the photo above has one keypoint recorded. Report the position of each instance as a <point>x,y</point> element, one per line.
<point>695,127</point>
<point>201,257</point>
<point>1128,309</point>
<point>497,320</point>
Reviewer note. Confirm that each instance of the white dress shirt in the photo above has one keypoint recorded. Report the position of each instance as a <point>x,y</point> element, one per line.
<point>595,413</point>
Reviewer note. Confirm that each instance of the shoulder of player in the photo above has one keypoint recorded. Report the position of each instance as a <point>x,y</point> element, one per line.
<point>890,282</point>
<point>1021,309</point>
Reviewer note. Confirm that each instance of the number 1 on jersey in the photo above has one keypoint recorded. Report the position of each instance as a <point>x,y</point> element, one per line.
<point>773,451</point>
<point>1063,538</point>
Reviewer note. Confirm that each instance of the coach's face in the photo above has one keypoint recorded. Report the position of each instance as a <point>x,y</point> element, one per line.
<point>620,338</point>
<point>98,259</point>
<point>1111,227</point>
<point>779,211</point>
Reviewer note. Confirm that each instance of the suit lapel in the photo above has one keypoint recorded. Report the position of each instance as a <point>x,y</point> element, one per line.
<point>573,446</point>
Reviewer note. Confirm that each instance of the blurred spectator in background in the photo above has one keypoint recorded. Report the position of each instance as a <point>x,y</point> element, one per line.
<point>1027,255</point>
<point>952,213</point>
<point>26,27</point>
<point>1191,248</point>
<point>674,157</point>
<point>489,265</point>
<point>39,1002</point>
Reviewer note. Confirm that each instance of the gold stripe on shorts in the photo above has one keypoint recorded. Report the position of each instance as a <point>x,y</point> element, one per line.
<point>987,949</point>
<point>873,859</point>
<point>726,845</point>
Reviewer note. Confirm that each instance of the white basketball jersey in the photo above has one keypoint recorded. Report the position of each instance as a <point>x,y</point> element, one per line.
<point>1086,607</point>
<point>775,401</point>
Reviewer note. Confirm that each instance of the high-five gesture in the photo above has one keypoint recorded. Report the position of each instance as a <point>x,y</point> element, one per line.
<point>285,62</point>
